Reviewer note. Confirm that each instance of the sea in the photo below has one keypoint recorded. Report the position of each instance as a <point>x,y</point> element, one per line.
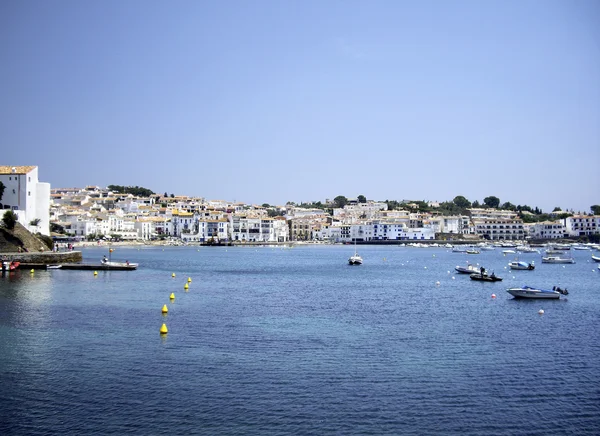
<point>272,340</point>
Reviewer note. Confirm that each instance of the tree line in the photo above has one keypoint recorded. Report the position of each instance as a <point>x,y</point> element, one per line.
<point>133,190</point>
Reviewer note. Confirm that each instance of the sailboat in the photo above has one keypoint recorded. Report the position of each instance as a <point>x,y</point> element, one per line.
<point>355,259</point>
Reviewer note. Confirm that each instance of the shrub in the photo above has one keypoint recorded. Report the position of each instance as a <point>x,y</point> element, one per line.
<point>9,219</point>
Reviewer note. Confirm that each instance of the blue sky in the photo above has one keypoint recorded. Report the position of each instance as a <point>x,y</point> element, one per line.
<point>275,101</point>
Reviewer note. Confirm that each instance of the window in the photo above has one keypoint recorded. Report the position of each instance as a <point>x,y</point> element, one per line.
<point>29,193</point>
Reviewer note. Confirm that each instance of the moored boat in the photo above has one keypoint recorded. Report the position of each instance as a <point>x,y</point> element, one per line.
<point>595,258</point>
<point>536,293</point>
<point>469,269</point>
<point>557,259</point>
<point>520,265</point>
<point>485,277</point>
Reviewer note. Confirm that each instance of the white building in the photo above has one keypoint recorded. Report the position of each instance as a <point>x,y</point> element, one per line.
<point>582,225</point>
<point>27,197</point>
<point>546,230</point>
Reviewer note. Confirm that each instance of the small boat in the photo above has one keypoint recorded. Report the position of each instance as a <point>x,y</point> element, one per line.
<point>485,277</point>
<point>581,247</point>
<point>515,264</point>
<point>536,293</point>
<point>557,259</point>
<point>487,248</point>
<point>509,251</point>
<point>472,251</point>
<point>10,266</point>
<point>469,269</point>
<point>527,250</point>
<point>595,258</point>
<point>53,266</point>
<point>459,249</point>
<point>355,259</point>
<point>554,251</point>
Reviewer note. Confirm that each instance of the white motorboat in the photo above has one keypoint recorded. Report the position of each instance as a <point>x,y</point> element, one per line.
<point>557,259</point>
<point>469,269</point>
<point>595,258</point>
<point>527,250</point>
<point>487,248</point>
<point>509,251</point>
<point>581,247</point>
<point>536,293</point>
<point>53,266</point>
<point>520,265</point>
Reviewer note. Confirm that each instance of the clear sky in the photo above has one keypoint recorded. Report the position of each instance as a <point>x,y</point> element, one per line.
<point>271,101</point>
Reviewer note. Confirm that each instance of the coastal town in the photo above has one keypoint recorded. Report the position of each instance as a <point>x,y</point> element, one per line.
<point>94,213</point>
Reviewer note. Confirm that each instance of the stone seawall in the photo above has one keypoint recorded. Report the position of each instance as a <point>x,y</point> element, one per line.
<point>45,258</point>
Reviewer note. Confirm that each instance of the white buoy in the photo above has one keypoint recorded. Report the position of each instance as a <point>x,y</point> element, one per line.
<point>541,311</point>
<point>437,283</point>
<point>425,267</point>
<point>448,272</point>
<point>493,295</point>
<point>452,277</point>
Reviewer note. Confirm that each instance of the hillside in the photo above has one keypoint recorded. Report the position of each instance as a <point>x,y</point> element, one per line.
<point>11,240</point>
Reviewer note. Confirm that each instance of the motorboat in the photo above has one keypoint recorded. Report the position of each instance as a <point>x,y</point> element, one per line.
<point>509,251</point>
<point>469,269</point>
<point>485,277</point>
<point>458,249</point>
<point>554,251</point>
<point>536,293</point>
<point>120,264</point>
<point>527,250</point>
<point>53,266</point>
<point>581,247</point>
<point>472,251</point>
<point>557,259</point>
<point>515,264</point>
<point>487,248</point>
<point>595,258</point>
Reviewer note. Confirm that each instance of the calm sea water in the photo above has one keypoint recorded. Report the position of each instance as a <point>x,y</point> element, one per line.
<point>272,341</point>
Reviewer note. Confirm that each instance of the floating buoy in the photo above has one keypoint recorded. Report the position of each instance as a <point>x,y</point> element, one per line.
<point>111,250</point>
<point>95,273</point>
<point>448,272</point>
<point>189,280</point>
<point>173,275</point>
<point>541,311</point>
<point>32,271</point>
<point>437,283</point>
<point>164,330</point>
<point>165,309</point>
<point>493,295</point>
<point>425,267</point>
<point>452,277</point>
<point>172,296</point>
<point>185,286</point>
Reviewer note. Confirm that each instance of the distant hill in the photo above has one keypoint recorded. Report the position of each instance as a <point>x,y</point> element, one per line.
<point>11,240</point>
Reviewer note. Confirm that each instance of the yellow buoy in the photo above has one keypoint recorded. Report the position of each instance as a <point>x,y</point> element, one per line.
<point>189,280</point>
<point>173,275</point>
<point>185,286</point>
<point>111,250</point>
<point>95,273</point>
<point>165,309</point>
<point>172,297</point>
<point>32,271</point>
<point>164,330</point>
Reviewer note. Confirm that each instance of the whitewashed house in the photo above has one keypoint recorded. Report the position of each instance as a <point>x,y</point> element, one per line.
<point>27,197</point>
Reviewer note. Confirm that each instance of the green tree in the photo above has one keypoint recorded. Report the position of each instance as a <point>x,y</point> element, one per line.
<point>491,201</point>
<point>172,195</point>
<point>35,222</point>
<point>362,199</point>
<point>476,204</point>
<point>556,209</point>
<point>10,219</point>
<point>2,188</point>
<point>508,206</point>
<point>340,201</point>
<point>595,208</point>
<point>461,202</point>
<point>266,205</point>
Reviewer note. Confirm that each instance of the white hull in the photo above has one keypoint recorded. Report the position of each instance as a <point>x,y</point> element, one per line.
<point>554,259</point>
<point>533,293</point>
